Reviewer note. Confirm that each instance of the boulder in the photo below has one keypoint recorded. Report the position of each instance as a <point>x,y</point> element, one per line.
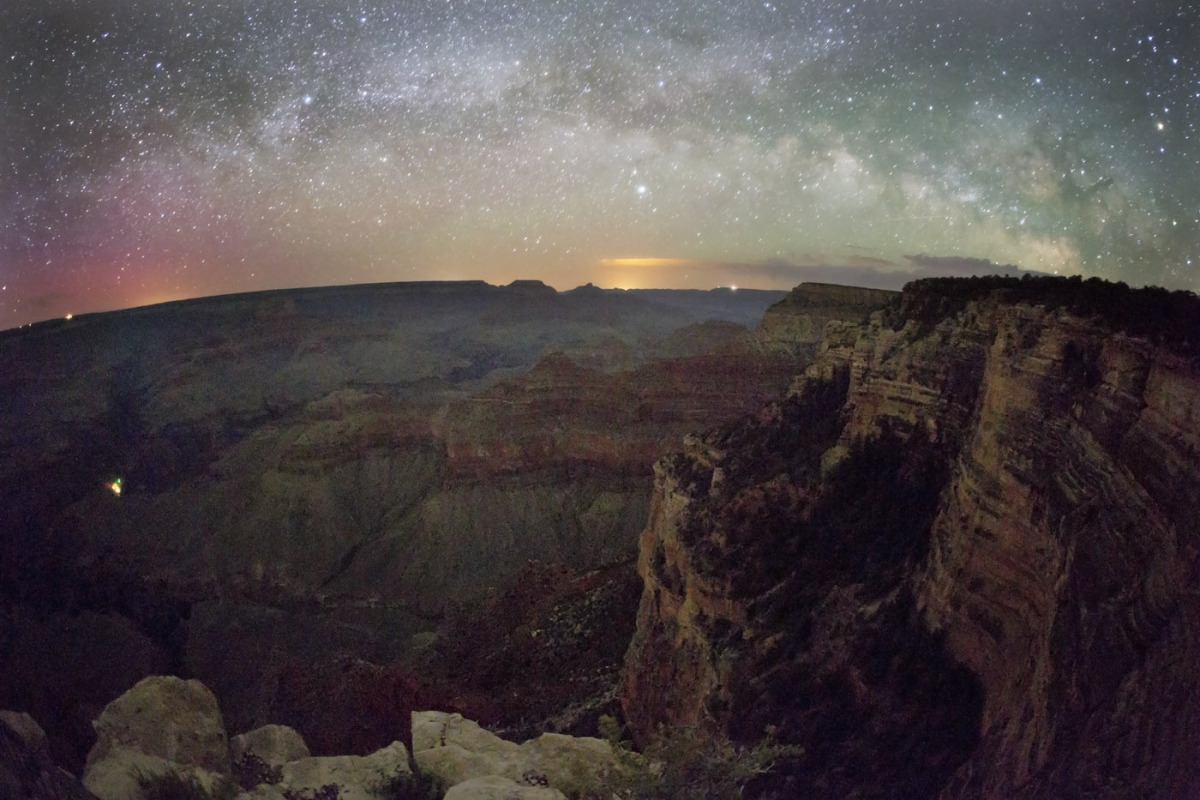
<point>570,762</point>
<point>119,775</point>
<point>433,729</point>
<point>259,755</point>
<point>163,726</point>
<point>494,787</point>
<point>274,745</point>
<point>457,751</point>
<point>166,717</point>
<point>354,777</point>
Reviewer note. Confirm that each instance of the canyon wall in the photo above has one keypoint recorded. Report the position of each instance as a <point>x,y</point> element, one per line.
<point>310,476</point>
<point>959,559</point>
<point>797,323</point>
<point>271,442</point>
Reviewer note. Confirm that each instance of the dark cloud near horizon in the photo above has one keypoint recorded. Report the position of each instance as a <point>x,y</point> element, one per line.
<point>963,266</point>
<point>879,275</point>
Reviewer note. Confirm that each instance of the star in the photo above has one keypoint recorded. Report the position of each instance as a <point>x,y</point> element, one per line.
<point>206,147</point>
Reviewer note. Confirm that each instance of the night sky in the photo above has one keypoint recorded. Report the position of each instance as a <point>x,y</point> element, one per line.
<point>153,150</point>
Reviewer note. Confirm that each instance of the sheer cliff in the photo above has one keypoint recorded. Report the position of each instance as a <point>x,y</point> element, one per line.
<point>958,559</point>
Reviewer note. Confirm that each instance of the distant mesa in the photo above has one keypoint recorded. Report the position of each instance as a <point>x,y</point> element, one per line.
<point>587,289</point>
<point>532,287</point>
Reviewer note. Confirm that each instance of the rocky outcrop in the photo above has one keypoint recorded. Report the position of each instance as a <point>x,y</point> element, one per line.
<point>259,755</point>
<point>165,716</point>
<point>461,754</point>
<point>352,777</point>
<point>163,725</point>
<point>166,735</point>
<point>796,324</point>
<point>958,559</point>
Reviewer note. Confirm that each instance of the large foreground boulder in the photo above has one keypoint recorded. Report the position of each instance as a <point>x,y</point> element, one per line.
<point>167,717</point>
<point>457,751</point>
<point>163,726</point>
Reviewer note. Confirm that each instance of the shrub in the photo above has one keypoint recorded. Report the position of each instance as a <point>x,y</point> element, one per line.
<point>682,763</point>
<point>327,792</point>
<point>415,785</point>
<point>173,786</point>
<point>251,771</point>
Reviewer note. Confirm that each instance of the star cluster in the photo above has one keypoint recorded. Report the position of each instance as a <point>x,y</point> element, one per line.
<point>158,150</point>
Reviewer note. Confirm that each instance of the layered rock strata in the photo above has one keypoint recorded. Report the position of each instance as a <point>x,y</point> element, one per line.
<point>959,559</point>
<point>796,324</point>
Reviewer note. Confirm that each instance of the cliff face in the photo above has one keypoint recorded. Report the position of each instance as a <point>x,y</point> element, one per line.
<point>1014,616</point>
<point>797,322</point>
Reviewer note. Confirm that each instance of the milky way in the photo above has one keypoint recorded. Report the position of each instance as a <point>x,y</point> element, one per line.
<point>153,150</point>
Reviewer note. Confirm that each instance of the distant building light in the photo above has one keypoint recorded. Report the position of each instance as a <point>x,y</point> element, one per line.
<point>115,487</point>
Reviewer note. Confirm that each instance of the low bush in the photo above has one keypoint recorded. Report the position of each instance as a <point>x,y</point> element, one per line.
<point>173,786</point>
<point>683,763</point>
<point>415,785</point>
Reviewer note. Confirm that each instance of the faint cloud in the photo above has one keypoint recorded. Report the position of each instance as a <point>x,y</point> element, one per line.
<point>866,271</point>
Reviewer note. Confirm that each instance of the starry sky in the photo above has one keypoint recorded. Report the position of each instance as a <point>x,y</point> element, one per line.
<point>154,150</point>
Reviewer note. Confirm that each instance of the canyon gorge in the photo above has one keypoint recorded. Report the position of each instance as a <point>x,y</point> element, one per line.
<point>940,543</point>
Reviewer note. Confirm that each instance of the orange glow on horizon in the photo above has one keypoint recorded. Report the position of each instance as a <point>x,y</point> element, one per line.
<point>646,262</point>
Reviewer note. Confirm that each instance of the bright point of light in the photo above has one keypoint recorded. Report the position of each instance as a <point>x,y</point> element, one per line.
<point>733,288</point>
<point>70,316</point>
<point>115,487</point>
<point>1160,125</point>
<point>642,189</point>
<point>308,99</point>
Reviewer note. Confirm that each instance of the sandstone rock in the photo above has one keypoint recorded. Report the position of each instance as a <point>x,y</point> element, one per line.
<point>162,723</point>
<point>495,787</point>
<point>354,777</point>
<point>119,774</point>
<point>274,744</point>
<point>431,729</point>
<point>169,717</point>
<point>457,750</point>
<point>570,762</point>
<point>257,756</point>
